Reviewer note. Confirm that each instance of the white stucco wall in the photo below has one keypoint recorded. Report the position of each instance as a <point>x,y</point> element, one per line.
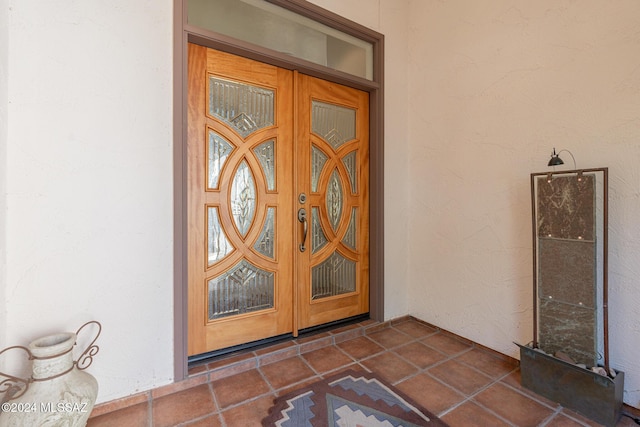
<point>495,86</point>
<point>89,182</point>
<point>4,38</point>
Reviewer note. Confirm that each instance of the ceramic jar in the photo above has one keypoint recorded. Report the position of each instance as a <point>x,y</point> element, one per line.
<point>58,393</point>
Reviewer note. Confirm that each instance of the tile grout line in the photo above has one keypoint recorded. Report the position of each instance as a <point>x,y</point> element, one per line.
<point>218,410</point>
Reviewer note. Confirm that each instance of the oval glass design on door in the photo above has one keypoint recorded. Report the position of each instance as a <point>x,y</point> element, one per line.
<point>334,200</point>
<point>243,197</point>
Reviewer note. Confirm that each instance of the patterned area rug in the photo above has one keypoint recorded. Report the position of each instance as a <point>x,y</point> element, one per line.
<point>349,399</point>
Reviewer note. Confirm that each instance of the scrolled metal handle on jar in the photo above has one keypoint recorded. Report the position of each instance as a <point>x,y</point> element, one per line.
<point>86,358</point>
<point>13,387</point>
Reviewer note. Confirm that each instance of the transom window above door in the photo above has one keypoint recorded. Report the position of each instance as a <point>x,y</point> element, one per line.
<point>271,26</point>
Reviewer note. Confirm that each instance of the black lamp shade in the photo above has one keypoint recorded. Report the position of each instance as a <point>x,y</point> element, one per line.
<point>555,161</point>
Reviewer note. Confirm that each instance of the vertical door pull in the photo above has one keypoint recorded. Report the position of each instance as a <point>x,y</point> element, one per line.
<point>302,217</point>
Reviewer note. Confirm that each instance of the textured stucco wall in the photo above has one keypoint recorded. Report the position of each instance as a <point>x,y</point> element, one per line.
<point>89,188</point>
<point>494,87</point>
<point>4,37</point>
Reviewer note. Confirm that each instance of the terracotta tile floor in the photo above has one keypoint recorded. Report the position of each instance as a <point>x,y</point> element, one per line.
<point>461,382</point>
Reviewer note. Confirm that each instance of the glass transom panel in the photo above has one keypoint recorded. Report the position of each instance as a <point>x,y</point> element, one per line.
<point>335,124</point>
<point>276,28</point>
<point>244,107</point>
<point>243,198</point>
<point>244,288</point>
<point>334,276</point>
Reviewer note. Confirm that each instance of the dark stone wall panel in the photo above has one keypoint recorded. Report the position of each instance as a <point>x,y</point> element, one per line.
<point>567,271</point>
<point>566,207</point>
<point>568,328</point>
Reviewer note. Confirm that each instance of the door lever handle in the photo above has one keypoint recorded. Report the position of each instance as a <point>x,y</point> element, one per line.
<point>302,217</point>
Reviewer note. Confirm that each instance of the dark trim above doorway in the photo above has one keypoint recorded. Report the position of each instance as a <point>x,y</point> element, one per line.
<point>183,34</point>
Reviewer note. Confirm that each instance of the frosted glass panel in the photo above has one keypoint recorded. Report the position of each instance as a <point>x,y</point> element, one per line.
<point>335,276</point>
<point>318,159</point>
<point>349,162</point>
<point>219,150</point>
<point>334,199</point>
<point>334,124</point>
<point>265,243</point>
<point>243,198</point>
<point>218,244</point>
<point>273,27</point>
<point>350,236</point>
<point>265,153</point>
<point>243,289</point>
<point>244,107</point>
<point>318,238</point>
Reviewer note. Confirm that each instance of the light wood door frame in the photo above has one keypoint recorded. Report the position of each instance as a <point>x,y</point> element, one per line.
<point>183,34</point>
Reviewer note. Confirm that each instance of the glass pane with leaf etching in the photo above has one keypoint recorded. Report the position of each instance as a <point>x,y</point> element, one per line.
<point>243,197</point>
<point>243,289</point>
<point>334,199</point>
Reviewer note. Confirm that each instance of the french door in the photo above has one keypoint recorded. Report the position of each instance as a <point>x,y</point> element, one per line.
<point>277,201</point>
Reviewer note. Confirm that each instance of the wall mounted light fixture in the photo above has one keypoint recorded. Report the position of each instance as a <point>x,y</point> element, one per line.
<point>557,161</point>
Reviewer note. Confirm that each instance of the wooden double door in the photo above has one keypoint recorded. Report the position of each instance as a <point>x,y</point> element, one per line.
<point>278,211</point>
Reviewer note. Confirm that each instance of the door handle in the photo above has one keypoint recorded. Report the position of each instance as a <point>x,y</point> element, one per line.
<point>302,217</point>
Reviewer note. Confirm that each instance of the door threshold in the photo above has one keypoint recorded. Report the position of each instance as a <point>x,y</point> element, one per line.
<point>212,356</point>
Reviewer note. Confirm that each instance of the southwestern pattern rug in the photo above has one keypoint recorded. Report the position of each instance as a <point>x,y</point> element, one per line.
<point>349,399</point>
